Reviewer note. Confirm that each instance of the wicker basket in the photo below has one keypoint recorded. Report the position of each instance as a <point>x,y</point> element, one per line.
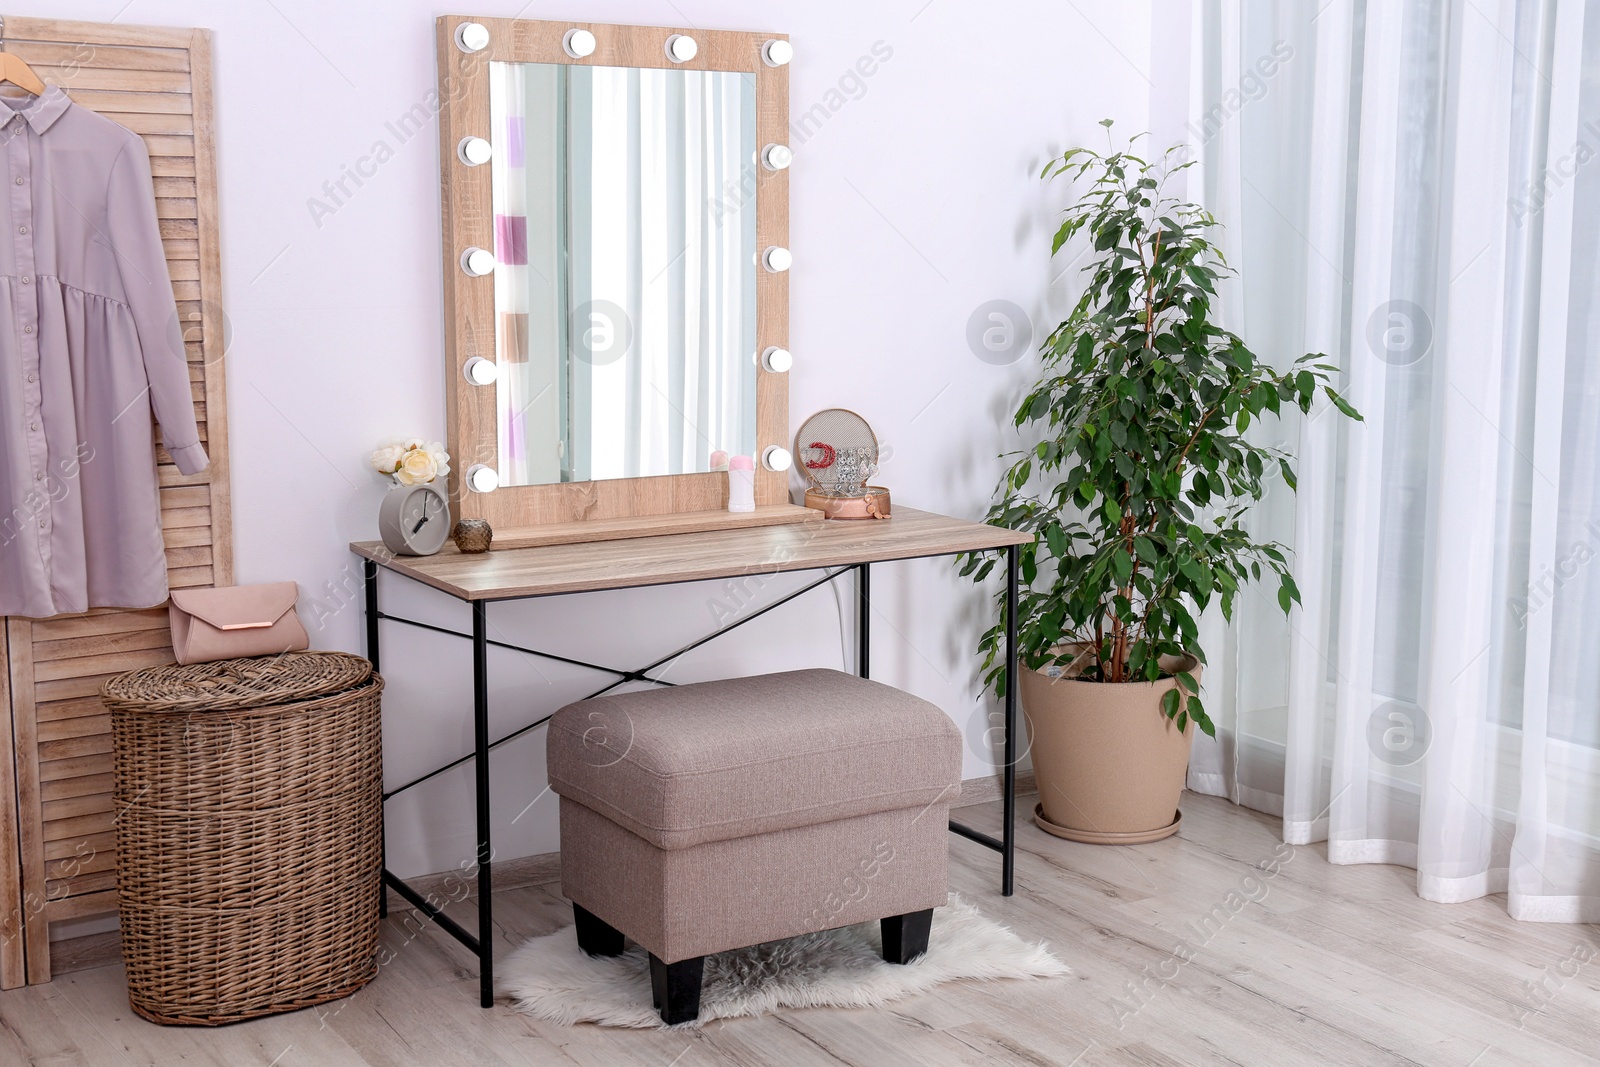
<point>250,803</point>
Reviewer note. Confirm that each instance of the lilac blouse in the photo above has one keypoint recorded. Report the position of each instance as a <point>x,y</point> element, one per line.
<point>90,345</point>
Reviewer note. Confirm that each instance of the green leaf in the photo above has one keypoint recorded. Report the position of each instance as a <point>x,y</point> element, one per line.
<point>1342,404</point>
<point>1056,538</point>
<point>1063,235</point>
<point>1122,565</point>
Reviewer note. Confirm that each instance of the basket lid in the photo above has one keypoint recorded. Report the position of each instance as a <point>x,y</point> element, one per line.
<point>236,684</point>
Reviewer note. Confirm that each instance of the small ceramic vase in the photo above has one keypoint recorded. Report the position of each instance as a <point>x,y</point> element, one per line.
<point>472,535</point>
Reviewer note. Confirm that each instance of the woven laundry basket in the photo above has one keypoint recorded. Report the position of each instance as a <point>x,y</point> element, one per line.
<point>249,845</point>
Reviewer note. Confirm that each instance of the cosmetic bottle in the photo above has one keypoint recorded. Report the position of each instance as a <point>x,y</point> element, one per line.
<point>741,483</point>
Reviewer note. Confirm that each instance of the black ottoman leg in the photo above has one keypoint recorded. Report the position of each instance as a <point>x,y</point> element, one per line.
<point>595,935</point>
<point>905,937</point>
<point>676,987</point>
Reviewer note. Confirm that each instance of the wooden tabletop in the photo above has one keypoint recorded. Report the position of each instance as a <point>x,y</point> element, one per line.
<point>690,557</point>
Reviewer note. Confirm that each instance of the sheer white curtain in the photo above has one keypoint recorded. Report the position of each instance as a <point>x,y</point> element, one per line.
<point>625,228</point>
<point>527,101</point>
<point>664,235</point>
<point>1407,186</point>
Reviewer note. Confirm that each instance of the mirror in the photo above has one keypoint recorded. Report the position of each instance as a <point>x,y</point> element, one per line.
<point>615,217</point>
<point>625,272</point>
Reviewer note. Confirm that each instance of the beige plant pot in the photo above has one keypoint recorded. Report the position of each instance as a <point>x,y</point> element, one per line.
<point>1109,763</point>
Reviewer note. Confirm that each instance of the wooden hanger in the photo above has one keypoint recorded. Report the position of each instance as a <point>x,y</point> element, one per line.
<point>15,71</point>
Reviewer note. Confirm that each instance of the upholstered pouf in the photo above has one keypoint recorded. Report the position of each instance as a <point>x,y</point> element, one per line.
<point>702,818</point>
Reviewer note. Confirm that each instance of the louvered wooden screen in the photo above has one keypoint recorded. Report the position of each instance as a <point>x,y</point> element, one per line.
<point>157,82</point>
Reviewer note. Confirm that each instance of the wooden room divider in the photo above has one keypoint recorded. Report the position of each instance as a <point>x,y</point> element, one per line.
<point>58,837</point>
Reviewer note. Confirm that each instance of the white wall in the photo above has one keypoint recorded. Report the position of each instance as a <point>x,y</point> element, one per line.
<point>914,203</point>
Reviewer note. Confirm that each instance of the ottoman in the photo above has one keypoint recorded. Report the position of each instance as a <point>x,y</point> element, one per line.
<point>702,818</point>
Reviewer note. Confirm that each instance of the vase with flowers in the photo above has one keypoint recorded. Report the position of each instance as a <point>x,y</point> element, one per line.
<point>411,460</point>
<point>414,518</point>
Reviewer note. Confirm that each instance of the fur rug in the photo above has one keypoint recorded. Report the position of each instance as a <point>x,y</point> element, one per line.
<point>549,976</point>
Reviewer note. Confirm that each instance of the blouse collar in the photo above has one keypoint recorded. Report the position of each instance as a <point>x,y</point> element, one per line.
<point>42,112</point>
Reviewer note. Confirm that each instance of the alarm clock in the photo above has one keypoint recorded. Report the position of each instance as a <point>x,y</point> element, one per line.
<point>414,520</point>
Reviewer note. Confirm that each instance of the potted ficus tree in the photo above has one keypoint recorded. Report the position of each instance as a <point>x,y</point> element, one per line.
<point>1137,490</point>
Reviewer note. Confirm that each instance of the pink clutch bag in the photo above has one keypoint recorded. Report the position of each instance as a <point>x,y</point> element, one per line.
<point>236,621</point>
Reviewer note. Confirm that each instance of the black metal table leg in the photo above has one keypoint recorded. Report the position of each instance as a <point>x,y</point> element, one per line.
<point>369,572</point>
<point>864,620</point>
<point>1008,832</point>
<point>480,731</point>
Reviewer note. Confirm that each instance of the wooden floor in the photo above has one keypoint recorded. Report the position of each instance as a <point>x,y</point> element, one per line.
<point>1218,946</point>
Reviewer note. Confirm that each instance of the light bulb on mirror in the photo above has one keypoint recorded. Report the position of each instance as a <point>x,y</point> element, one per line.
<point>480,371</point>
<point>777,360</point>
<point>482,478</point>
<point>474,151</point>
<point>776,259</point>
<point>777,53</point>
<point>776,157</point>
<point>472,37</point>
<point>681,48</point>
<point>579,44</point>
<point>776,458</point>
<point>476,262</point>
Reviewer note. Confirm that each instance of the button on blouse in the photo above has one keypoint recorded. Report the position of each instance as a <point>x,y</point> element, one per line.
<point>91,356</point>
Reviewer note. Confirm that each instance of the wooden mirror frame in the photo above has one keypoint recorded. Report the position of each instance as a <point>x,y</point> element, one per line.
<point>618,507</point>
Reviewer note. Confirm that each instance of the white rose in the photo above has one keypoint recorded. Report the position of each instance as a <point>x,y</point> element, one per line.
<point>386,460</point>
<point>411,443</point>
<point>441,458</point>
<point>417,467</point>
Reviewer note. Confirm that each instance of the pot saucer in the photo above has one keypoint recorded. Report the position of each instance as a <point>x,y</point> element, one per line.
<point>1092,837</point>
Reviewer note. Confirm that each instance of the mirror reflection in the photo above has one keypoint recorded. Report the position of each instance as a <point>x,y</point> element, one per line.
<point>625,291</point>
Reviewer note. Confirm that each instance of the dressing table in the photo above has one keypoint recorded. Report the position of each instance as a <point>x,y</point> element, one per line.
<point>833,547</point>
<point>615,232</point>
